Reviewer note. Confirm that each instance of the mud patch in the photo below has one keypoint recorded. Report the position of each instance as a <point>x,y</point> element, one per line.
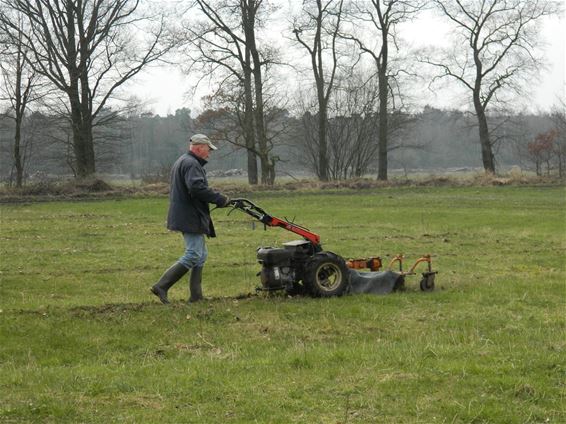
<point>108,310</point>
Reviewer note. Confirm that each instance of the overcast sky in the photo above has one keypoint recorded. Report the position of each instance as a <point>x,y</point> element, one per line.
<point>166,89</point>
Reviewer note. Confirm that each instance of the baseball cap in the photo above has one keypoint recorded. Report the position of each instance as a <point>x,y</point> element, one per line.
<point>202,139</point>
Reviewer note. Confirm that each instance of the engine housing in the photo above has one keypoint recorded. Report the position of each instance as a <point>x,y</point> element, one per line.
<point>282,267</point>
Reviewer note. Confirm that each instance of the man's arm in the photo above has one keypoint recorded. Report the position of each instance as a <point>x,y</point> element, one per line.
<point>195,181</point>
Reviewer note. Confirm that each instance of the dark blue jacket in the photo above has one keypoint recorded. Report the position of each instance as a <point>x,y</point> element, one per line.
<point>189,197</point>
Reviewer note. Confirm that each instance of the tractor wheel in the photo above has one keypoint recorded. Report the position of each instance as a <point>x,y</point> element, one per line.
<point>427,282</point>
<point>326,275</point>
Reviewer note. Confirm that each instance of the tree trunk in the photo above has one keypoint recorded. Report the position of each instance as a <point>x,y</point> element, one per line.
<point>252,163</point>
<point>264,161</point>
<point>78,148</point>
<point>486,149</point>
<point>18,133</point>
<point>259,122</point>
<point>17,153</point>
<point>88,142</point>
<point>323,106</point>
<point>271,170</point>
<point>83,147</point>
<point>249,131</point>
<point>382,149</point>
<point>383,97</point>
<point>86,109</point>
<point>81,120</point>
<point>322,147</point>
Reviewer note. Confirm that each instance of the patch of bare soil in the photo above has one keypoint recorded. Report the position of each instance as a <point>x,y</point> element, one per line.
<point>108,310</point>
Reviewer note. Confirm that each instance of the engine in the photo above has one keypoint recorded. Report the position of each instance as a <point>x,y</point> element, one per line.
<point>282,267</point>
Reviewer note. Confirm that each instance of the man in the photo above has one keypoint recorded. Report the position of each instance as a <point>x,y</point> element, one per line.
<point>189,213</point>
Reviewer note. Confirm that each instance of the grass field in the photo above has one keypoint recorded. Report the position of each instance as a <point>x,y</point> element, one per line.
<point>82,340</point>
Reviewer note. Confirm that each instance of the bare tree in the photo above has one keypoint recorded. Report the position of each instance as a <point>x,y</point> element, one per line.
<point>317,31</point>
<point>376,38</point>
<point>220,48</point>
<point>225,117</point>
<point>21,87</point>
<point>353,127</point>
<point>226,46</point>
<point>494,52</point>
<point>250,10</point>
<point>87,49</point>
<point>542,150</point>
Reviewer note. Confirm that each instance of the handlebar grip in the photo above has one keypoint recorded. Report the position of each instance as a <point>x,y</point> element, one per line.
<point>240,201</point>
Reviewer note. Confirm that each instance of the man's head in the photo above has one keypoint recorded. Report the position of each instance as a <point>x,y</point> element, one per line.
<point>201,145</point>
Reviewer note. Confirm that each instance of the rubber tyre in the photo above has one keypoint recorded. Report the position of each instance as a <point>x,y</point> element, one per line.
<point>427,282</point>
<point>326,275</point>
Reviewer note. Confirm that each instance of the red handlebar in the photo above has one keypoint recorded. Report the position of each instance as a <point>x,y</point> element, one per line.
<point>255,211</point>
<point>303,232</point>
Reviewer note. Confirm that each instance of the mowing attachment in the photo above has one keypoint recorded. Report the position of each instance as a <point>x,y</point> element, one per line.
<point>427,280</point>
<point>375,264</point>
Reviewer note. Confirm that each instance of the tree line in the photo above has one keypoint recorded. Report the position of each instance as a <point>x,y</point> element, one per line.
<point>64,65</point>
<point>141,145</point>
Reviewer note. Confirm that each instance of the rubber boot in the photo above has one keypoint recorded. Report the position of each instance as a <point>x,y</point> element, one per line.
<point>169,277</point>
<point>195,285</point>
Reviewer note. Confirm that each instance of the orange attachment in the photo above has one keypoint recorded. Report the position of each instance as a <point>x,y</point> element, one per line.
<point>425,258</point>
<point>398,258</point>
<point>374,264</point>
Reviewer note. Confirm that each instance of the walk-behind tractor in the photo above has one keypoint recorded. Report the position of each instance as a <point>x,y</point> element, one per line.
<point>302,267</point>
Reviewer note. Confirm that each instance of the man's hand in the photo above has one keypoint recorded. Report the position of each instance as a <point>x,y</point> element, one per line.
<point>226,201</point>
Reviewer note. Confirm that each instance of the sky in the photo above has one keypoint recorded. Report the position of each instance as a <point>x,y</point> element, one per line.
<point>164,89</point>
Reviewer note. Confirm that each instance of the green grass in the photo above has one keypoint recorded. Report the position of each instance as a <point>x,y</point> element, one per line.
<point>82,340</point>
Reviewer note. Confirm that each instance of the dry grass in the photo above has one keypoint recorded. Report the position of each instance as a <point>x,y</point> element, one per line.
<point>100,189</point>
